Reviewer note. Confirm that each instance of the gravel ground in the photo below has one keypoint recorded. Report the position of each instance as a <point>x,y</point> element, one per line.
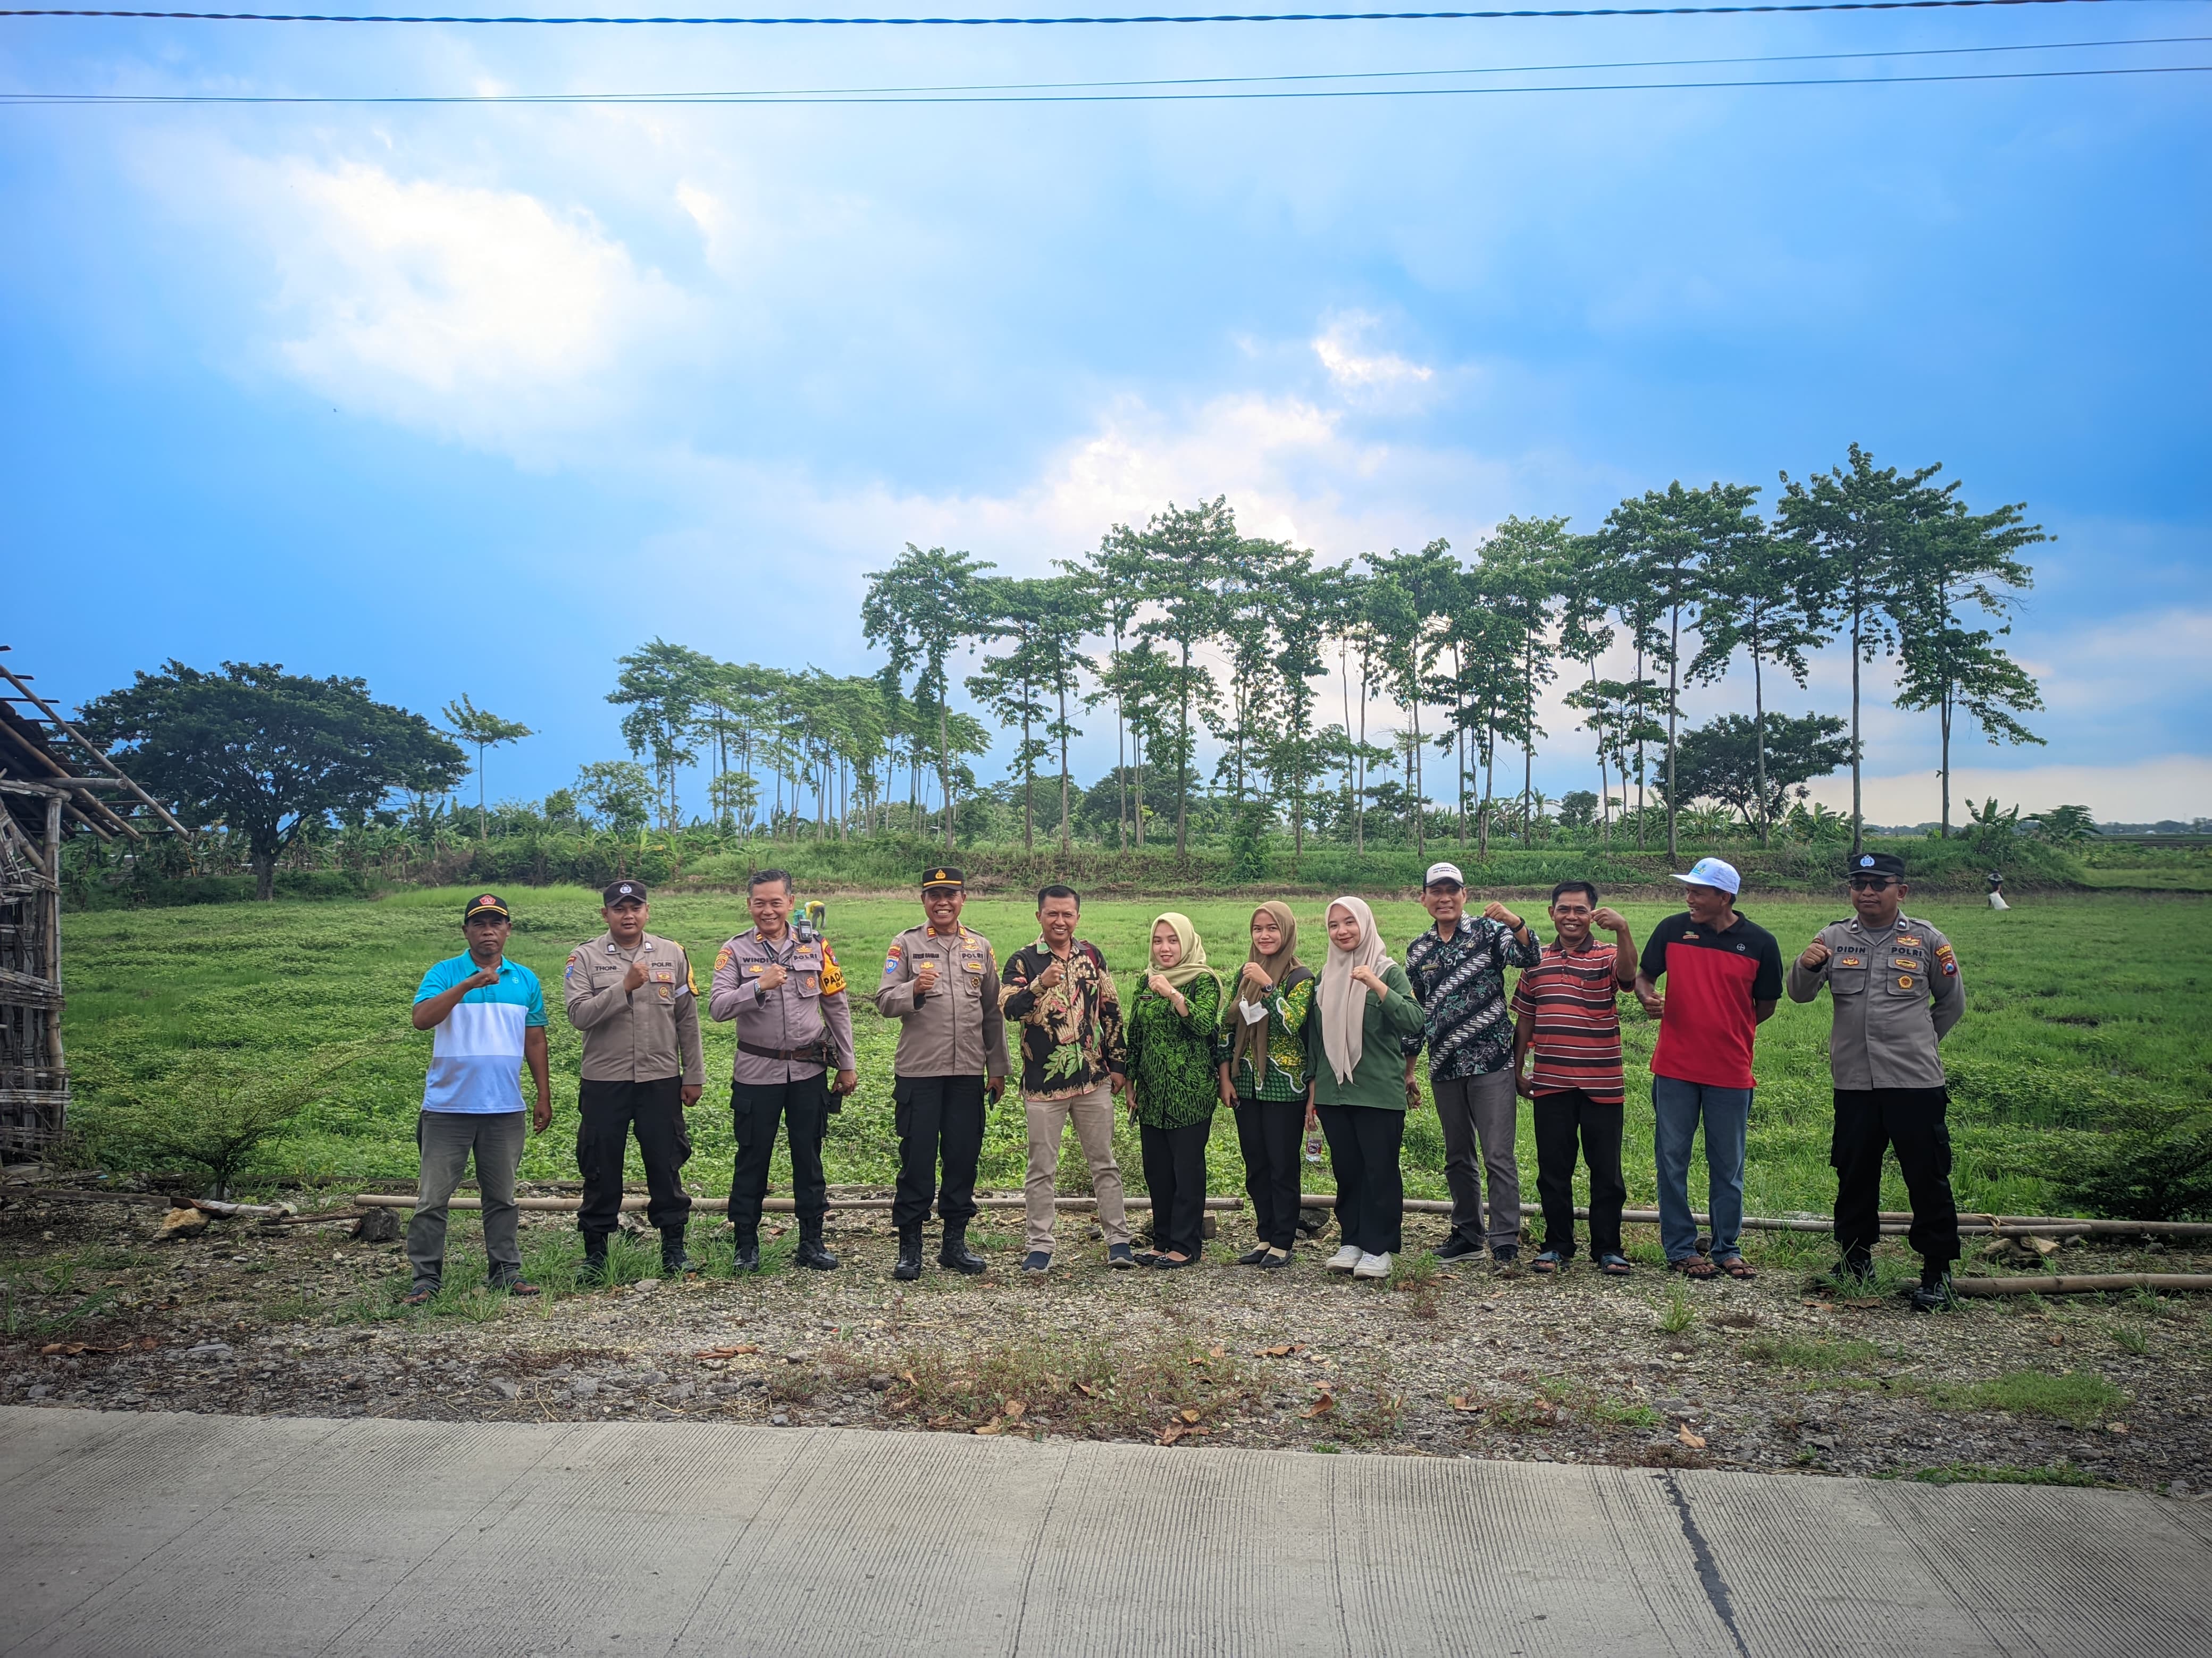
<point>1779,1374</point>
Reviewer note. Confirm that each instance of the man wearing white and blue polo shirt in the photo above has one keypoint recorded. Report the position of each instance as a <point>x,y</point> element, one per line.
<point>489,1016</point>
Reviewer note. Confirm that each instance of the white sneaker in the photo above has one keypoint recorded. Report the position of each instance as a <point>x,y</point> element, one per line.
<point>1373,1267</point>
<point>1346,1259</point>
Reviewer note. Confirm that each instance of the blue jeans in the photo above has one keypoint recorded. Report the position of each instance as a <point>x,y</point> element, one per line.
<point>1677,1105</point>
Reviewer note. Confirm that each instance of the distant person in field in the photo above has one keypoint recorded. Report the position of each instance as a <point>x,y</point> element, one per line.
<point>1264,1079</point>
<point>1457,970</point>
<point>1058,994</point>
<point>489,1016</point>
<point>631,996</point>
<point>1894,982</point>
<point>1566,1017</point>
<point>1723,976</point>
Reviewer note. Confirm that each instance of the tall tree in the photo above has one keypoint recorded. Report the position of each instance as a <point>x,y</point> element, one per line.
<point>1525,562</point>
<point>1755,769</point>
<point>1307,599</point>
<point>268,755</point>
<point>1669,537</point>
<point>663,686</point>
<point>1964,559</point>
<point>1181,553</point>
<point>1856,525</point>
<point>1010,609</point>
<point>1753,580</point>
<point>1421,590</point>
<point>1116,575</point>
<point>919,610</point>
<point>486,731</point>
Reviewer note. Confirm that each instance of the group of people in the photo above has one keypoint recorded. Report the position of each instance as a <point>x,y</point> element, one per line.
<point>1278,1043</point>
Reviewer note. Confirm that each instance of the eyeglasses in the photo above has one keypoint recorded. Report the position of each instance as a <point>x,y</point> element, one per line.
<point>1871,883</point>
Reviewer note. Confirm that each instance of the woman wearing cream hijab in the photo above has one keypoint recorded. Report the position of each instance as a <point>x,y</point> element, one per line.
<point>1172,1083</point>
<point>1366,1009</point>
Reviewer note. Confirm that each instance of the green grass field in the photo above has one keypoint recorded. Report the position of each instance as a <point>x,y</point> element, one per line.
<point>2075,1001</point>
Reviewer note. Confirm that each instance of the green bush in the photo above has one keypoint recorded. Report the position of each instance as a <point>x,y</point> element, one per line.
<point>2153,1163</point>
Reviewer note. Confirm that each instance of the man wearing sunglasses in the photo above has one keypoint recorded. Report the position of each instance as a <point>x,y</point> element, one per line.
<point>1895,982</point>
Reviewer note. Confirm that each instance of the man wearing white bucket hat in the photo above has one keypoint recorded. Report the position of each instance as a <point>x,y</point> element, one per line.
<point>1723,979</point>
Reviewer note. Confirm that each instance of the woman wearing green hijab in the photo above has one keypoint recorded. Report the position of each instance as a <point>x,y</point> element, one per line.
<point>1263,1077</point>
<point>1171,1030</point>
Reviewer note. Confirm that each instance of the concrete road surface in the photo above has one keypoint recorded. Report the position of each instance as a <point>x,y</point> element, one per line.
<point>177,1534</point>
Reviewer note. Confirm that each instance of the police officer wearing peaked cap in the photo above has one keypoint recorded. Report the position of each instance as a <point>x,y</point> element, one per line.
<point>632,996</point>
<point>940,981</point>
<point>1894,982</point>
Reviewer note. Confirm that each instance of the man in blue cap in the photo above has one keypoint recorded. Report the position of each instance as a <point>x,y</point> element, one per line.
<point>1895,982</point>
<point>1723,977</point>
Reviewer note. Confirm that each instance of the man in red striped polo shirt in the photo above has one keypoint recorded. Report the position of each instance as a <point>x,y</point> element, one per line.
<point>1566,1015</point>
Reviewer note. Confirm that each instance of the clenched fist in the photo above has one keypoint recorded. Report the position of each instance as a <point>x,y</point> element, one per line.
<point>1611,920</point>
<point>1256,978</point>
<point>1815,957</point>
<point>1494,911</point>
<point>635,976</point>
<point>771,977</point>
<point>1049,978</point>
<point>925,976</point>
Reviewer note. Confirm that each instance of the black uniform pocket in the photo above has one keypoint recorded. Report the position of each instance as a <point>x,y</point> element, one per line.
<point>741,1117</point>
<point>902,1106</point>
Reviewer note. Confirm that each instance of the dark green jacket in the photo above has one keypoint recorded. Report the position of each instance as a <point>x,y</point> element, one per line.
<point>1379,1081</point>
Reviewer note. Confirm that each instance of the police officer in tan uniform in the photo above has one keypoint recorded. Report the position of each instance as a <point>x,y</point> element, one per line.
<point>633,997</point>
<point>1894,982</point>
<point>783,986</point>
<point>941,983</point>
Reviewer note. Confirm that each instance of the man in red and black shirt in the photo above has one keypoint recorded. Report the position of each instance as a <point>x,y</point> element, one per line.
<point>1723,979</point>
<point>1566,1014</point>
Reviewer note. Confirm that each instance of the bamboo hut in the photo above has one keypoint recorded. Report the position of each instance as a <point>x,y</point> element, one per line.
<point>54,783</point>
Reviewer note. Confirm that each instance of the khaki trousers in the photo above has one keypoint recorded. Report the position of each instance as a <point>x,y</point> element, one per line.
<point>1094,1132</point>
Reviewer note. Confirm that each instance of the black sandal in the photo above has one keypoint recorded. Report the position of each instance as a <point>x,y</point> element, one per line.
<point>1693,1267</point>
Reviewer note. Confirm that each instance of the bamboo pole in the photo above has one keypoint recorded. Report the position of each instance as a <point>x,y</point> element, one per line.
<point>96,752</point>
<point>2081,1283</point>
<point>772,1206</point>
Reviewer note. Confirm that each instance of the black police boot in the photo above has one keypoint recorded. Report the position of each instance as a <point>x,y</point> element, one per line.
<point>909,1256</point>
<point>674,1262</point>
<point>1854,1272</point>
<point>811,1251</point>
<point>956,1254</point>
<point>747,1259</point>
<point>594,1269</point>
<point>1933,1294</point>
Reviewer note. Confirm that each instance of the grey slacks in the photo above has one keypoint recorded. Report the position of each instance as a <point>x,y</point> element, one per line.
<point>1480,1116</point>
<point>447,1138</point>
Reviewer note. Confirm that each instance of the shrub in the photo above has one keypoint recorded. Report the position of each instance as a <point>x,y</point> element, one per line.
<point>2154,1163</point>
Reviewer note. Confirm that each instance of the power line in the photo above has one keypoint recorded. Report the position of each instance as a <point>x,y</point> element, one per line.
<point>793,93</point>
<point>995,22</point>
<point>788,99</point>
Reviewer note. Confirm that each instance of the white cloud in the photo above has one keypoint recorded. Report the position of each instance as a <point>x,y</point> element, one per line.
<point>1359,372</point>
<point>482,313</point>
<point>2170,785</point>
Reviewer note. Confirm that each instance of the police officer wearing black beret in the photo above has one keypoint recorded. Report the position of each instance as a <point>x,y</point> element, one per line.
<point>1894,982</point>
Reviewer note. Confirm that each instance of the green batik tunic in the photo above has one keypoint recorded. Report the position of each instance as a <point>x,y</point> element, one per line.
<point>1172,1057</point>
<point>1286,1044</point>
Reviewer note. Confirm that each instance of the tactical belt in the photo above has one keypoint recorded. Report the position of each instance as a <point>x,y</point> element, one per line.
<point>818,1054</point>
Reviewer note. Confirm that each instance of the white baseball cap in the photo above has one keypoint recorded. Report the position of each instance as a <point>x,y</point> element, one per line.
<point>1712,872</point>
<point>1443,872</point>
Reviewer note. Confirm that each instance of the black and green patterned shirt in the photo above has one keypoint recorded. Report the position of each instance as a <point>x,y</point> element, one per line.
<point>1286,1044</point>
<point>1173,1056</point>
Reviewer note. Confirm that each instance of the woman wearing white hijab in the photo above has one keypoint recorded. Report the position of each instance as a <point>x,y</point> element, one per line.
<point>1355,1056</point>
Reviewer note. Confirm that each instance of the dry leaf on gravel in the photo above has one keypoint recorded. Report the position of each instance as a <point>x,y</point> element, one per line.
<point>1187,1416</point>
<point>1086,1390</point>
<point>1283,1351</point>
<point>1321,1406</point>
<point>731,1352</point>
<point>71,1349</point>
<point>991,1427</point>
<point>1460,1402</point>
<point>1695,1442</point>
<point>1012,1409</point>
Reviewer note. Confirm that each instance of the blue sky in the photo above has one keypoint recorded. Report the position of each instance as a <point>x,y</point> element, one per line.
<point>474,400</point>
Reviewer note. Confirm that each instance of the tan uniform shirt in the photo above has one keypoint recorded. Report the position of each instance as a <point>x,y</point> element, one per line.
<point>807,1010</point>
<point>1897,993</point>
<point>635,1036</point>
<point>957,1029</point>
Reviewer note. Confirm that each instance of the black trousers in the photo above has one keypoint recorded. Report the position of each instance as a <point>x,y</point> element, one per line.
<point>937,1116</point>
<point>610,1112</point>
<point>1271,1135</point>
<point>1363,1143</point>
<point>1175,1175</point>
<point>803,1106</point>
<point>1560,1120</point>
<point>1909,1120</point>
